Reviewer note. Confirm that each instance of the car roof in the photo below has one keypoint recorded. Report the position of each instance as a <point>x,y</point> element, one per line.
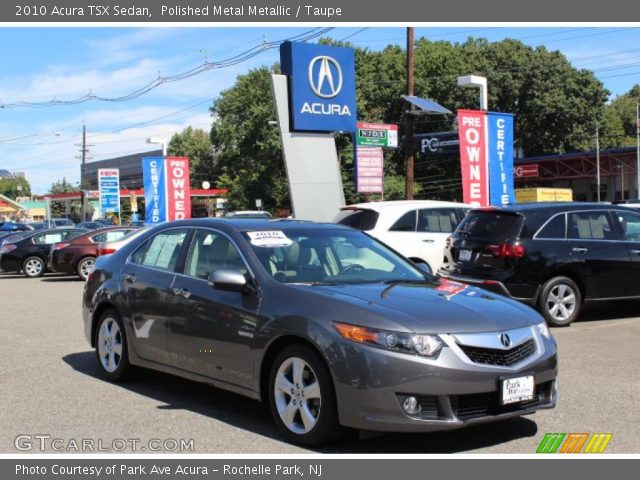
<point>250,224</point>
<point>552,206</point>
<point>405,205</point>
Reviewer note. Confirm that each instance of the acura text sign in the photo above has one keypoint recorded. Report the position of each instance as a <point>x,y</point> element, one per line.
<point>322,86</point>
<point>109,187</point>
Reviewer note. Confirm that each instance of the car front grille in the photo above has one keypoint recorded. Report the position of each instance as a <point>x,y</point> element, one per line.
<point>503,358</point>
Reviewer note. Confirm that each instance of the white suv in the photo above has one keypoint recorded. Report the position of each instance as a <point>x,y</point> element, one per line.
<point>418,229</point>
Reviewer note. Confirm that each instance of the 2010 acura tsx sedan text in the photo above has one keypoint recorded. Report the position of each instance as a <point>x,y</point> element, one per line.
<point>325,324</point>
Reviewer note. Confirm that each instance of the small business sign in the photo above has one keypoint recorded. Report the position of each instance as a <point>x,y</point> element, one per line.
<point>377,135</point>
<point>529,170</point>
<point>322,86</point>
<point>167,191</point>
<point>109,188</point>
<point>439,143</point>
<point>369,170</point>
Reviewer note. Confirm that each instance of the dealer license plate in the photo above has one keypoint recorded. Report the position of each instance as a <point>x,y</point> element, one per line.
<point>519,389</point>
<point>465,255</point>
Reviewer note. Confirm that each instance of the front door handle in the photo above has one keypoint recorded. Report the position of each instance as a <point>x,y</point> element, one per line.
<point>181,292</point>
<point>636,252</point>
<point>129,277</point>
<point>580,250</point>
<point>428,240</point>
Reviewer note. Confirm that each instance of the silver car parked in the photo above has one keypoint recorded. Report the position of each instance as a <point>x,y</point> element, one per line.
<point>326,325</point>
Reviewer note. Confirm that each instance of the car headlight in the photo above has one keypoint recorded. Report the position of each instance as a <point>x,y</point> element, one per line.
<point>423,345</point>
<point>543,329</point>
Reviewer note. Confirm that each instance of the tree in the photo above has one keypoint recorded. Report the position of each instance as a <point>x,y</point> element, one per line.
<point>14,187</point>
<point>62,186</point>
<point>195,144</point>
<point>619,123</point>
<point>248,152</point>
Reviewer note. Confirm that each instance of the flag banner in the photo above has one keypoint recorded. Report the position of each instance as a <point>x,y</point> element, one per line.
<point>178,188</point>
<point>155,190</point>
<point>501,190</point>
<point>473,157</point>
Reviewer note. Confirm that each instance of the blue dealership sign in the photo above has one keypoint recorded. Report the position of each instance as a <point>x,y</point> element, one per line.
<point>500,138</point>
<point>322,86</point>
<point>155,188</point>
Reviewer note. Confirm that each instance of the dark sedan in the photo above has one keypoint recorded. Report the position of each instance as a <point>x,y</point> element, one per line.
<point>326,325</point>
<point>29,252</point>
<point>78,255</point>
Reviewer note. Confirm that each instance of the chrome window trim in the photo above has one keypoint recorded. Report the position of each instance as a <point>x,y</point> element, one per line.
<point>535,235</point>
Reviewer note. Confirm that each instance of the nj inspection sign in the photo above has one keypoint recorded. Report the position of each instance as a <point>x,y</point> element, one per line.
<point>377,135</point>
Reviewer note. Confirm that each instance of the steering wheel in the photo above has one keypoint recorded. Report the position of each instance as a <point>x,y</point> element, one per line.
<point>353,267</point>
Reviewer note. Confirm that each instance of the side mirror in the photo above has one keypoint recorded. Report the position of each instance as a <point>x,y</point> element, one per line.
<point>229,280</point>
<point>424,267</point>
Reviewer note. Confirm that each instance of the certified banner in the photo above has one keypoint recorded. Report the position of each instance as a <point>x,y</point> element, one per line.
<point>155,190</point>
<point>500,158</point>
<point>109,188</point>
<point>473,157</point>
<point>178,188</point>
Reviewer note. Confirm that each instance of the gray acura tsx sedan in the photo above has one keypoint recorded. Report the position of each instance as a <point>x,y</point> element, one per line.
<point>325,324</point>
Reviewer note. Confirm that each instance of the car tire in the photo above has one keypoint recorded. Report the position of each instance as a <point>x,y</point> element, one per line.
<point>560,301</point>
<point>305,411</point>
<point>112,348</point>
<point>34,267</point>
<point>85,266</point>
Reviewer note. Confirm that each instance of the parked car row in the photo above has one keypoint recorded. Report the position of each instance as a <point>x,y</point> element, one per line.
<point>64,250</point>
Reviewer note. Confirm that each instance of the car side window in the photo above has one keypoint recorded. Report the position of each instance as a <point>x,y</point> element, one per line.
<point>554,229</point>
<point>211,251</point>
<point>48,238</point>
<point>437,220</point>
<point>406,223</point>
<point>590,226</point>
<point>630,223</point>
<point>162,251</point>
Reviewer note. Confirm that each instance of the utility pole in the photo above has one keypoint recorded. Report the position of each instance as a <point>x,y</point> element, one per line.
<point>598,162</point>
<point>84,150</point>
<point>409,150</point>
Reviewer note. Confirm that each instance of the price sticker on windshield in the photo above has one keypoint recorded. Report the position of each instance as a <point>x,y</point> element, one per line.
<point>272,239</point>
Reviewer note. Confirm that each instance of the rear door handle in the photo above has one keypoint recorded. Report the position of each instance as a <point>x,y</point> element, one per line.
<point>129,277</point>
<point>181,292</point>
<point>428,240</point>
<point>637,252</point>
<point>580,250</point>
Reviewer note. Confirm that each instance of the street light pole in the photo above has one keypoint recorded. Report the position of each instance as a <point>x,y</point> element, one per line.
<point>638,147</point>
<point>480,83</point>
<point>598,163</point>
<point>160,141</point>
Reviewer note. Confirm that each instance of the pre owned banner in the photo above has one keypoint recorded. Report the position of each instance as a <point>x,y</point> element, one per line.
<point>501,190</point>
<point>178,189</point>
<point>473,157</point>
<point>155,190</point>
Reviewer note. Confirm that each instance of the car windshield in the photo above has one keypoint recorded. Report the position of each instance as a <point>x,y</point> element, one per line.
<point>329,256</point>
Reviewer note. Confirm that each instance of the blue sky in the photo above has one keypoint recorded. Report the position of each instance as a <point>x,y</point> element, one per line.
<point>40,64</point>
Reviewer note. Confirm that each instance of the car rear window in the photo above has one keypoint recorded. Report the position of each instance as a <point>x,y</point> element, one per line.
<point>490,225</point>
<point>361,218</point>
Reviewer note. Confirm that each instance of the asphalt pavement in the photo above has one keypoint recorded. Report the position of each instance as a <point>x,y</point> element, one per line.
<point>52,393</point>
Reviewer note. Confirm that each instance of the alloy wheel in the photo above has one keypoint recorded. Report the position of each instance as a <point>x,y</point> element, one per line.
<point>110,344</point>
<point>561,302</point>
<point>86,267</point>
<point>33,267</point>
<point>297,395</point>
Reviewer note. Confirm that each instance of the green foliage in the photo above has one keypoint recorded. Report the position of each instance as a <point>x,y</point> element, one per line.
<point>62,186</point>
<point>9,187</point>
<point>619,123</point>
<point>195,144</point>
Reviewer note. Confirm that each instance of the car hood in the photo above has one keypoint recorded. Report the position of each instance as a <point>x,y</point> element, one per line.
<point>441,307</point>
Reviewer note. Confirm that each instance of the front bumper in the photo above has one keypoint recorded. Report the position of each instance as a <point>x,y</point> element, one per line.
<point>453,391</point>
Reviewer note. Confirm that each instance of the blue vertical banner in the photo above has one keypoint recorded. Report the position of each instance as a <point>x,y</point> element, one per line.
<point>500,143</point>
<point>155,189</point>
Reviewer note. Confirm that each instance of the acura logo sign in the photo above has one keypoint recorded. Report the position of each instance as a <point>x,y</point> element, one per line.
<point>505,340</point>
<point>325,76</point>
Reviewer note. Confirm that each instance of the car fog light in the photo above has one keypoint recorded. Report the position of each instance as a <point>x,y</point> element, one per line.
<point>544,330</point>
<point>411,406</point>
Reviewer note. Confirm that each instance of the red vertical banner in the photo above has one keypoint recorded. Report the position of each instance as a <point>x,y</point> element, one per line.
<point>473,157</point>
<point>178,188</point>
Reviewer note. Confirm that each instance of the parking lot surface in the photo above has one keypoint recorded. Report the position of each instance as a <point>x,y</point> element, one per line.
<point>51,386</point>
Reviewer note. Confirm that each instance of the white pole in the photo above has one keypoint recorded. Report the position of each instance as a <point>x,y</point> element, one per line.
<point>598,163</point>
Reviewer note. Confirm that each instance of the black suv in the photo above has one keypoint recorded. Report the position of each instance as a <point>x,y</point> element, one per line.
<point>553,256</point>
